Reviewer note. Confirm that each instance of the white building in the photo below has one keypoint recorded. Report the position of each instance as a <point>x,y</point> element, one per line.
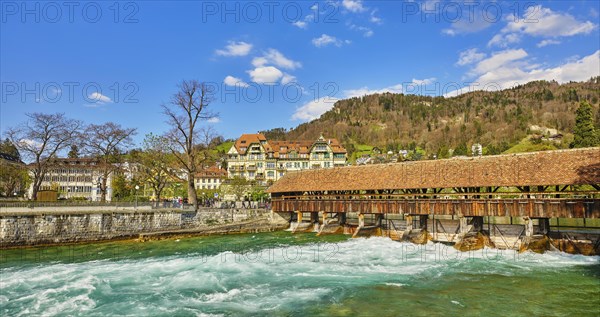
<point>210,178</point>
<point>78,178</point>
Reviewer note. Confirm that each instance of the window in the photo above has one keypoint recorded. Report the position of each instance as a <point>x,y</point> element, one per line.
<point>259,165</point>
<point>304,164</point>
<point>315,156</point>
<point>326,155</point>
<point>296,164</point>
<point>251,174</point>
<point>339,155</point>
<point>288,164</point>
<point>281,174</point>
<point>270,174</point>
<point>327,164</point>
<point>271,165</point>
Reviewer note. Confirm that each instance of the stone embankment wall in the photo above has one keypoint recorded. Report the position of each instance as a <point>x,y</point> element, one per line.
<point>40,226</point>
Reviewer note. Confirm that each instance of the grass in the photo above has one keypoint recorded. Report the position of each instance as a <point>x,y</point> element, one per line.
<point>360,150</point>
<point>527,146</point>
<point>224,147</point>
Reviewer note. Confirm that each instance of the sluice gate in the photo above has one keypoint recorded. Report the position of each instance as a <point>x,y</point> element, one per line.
<point>532,201</point>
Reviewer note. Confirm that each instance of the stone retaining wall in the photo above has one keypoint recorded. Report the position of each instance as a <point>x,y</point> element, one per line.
<point>38,228</point>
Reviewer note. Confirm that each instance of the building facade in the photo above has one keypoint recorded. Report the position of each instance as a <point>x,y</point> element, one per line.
<point>79,178</point>
<point>255,158</point>
<point>210,178</point>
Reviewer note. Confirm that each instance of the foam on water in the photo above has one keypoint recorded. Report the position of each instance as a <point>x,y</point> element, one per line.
<point>250,281</point>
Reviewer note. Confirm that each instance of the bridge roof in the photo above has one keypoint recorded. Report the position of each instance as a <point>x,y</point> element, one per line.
<point>562,167</point>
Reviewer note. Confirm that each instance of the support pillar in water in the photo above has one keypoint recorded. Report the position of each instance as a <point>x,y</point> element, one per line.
<point>423,222</point>
<point>528,226</point>
<point>342,218</point>
<point>544,226</point>
<point>378,219</point>
<point>477,223</point>
<point>539,243</point>
<point>314,217</point>
<point>299,216</point>
<point>462,225</point>
<point>409,222</point>
<point>361,220</point>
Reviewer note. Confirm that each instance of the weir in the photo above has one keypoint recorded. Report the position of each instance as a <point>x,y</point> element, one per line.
<point>532,201</point>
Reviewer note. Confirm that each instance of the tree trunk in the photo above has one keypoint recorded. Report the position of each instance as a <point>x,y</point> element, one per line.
<point>192,197</point>
<point>103,189</point>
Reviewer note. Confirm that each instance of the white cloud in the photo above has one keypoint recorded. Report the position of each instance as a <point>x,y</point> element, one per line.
<point>469,56</point>
<point>547,42</point>
<point>468,24</point>
<point>504,40</point>
<point>499,60</point>
<point>300,24</point>
<point>287,78</point>
<point>265,75</point>
<point>353,5</point>
<point>375,19</point>
<point>325,40</point>
<point>367,32</point>
<point>214,120</point>
<point>235,49</point>
<point>314,109</point>
<point>508,68</point>
<point>99,98</point>
<point>541,22</point>
<point>235,82</point>
<point>274,57</point>
<point>366,91</point>
<point>426,81</point>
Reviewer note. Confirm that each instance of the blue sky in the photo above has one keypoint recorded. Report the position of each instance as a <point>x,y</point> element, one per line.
<point>277,64</point>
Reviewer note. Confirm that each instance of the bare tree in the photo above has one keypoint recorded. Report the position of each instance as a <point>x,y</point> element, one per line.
<point>107,142</point>
<point>155,161</point>
<point>42,137</point>
<point>187,108</point>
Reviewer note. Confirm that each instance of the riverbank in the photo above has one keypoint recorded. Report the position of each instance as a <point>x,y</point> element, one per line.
<point>25,228</point>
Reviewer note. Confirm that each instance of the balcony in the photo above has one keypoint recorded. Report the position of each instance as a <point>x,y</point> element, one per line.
<point>251,168</point>
<point>281,168</point>
<point>259,177</point>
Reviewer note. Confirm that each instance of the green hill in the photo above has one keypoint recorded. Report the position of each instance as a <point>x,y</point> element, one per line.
<point>501,121</point>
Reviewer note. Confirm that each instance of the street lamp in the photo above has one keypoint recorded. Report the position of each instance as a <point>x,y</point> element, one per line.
<point>136,195</point>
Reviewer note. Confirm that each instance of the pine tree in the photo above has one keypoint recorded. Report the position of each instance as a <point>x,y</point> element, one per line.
<point>585,132</point>
<point>7,147</point>
<point>73,152</point>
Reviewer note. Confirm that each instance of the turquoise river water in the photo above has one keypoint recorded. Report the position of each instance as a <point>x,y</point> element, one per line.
<point>280,274</point>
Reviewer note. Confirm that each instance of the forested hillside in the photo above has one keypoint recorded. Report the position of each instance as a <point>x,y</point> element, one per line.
<point>436,125</point>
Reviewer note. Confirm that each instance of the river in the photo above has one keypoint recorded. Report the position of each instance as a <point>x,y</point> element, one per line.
<point>280,274</point>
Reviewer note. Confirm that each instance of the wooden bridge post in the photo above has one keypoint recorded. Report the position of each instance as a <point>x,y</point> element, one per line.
<point>299,216</point>
<point>361,220</point>
<point>378,219</point>
<point>314,217</point>
<point>478,223</point>
<point>342,218</point>
<point>423,222</point>
<point>528,226</point>
<point>462,225</point>
<point>409,222</point>
<point>544,225</point>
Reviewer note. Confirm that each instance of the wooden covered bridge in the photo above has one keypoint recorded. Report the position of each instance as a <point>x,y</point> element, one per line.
<point>528,190</point>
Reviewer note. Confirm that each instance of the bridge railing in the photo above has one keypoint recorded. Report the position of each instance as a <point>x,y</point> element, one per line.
<point>507,207</point>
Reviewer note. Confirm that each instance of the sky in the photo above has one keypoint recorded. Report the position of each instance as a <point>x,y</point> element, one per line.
<point>277,64</point>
